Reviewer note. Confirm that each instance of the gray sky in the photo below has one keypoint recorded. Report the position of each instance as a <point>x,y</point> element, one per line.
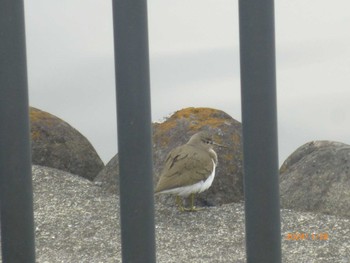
<point>194,60</point>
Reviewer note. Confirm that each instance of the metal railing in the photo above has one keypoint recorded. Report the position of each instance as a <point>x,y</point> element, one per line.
<point>16,198</point>
<point>134,130</point>
<point>259,122</point>
<point>258,88</point>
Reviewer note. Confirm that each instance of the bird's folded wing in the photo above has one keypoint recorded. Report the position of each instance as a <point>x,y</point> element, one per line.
<point>185,166</point>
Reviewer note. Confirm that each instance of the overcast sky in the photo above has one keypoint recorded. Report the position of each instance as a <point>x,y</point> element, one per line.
<point>194,59</point>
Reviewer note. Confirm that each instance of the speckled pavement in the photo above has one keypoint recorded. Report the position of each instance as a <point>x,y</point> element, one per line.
<point>75,221</point>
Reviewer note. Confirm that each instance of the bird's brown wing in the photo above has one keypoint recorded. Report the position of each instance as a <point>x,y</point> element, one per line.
<point>184,165</point>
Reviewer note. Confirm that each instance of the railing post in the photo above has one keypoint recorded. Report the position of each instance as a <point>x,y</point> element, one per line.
<point>259,119</point>
<point>134,130</point>
<point>16,197</point>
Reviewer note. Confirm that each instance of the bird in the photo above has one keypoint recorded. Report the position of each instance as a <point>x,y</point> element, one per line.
<point>189,169</point>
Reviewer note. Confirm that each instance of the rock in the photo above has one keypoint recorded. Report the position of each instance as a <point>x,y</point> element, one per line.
<point>108,177</point>
<point>175,131</point>
<point>178,128</point>
<point>316,177</point>
<point>58,145</point>
<point>75,221</point>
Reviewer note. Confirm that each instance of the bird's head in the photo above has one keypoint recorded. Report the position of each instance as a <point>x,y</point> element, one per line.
<point>203,139</point>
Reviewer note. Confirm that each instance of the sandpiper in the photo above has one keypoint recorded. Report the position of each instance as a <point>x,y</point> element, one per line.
<point>189,169</point>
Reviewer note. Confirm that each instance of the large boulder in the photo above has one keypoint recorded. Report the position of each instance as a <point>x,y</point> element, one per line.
<point>316,177</point>
<point>58,145</point>
<point>175,131</point>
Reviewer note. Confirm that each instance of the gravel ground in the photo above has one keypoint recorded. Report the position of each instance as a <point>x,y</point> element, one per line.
<point>77,222</point>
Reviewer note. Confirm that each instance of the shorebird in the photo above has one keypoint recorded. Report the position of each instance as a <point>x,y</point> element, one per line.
<point>189,169</point>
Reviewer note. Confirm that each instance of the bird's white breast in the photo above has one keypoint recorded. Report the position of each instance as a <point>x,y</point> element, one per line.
<point>194,188</point>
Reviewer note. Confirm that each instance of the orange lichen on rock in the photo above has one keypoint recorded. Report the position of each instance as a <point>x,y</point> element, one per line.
<point>40,119</point>
<point>236,139</point>
<point>200,114</point>
<point>198,117</point>
<point>38,115</point>
<point>167,125</point>
<point>35,134</point>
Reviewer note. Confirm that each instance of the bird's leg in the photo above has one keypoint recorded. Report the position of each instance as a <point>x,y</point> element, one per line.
<point>181,207</point>
<point>179,203</point>
<point>193,208</point>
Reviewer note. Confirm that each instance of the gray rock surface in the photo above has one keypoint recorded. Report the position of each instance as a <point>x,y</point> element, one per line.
<point>316,177</point>
<point>175,131</point>
<point>58,145</point>
<point>76,221</point>
<point>108,177</point>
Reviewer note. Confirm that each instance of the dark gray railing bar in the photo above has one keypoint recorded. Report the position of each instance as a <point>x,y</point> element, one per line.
<point>259,119</point>
<point>16,197</point>
<point>134,130</point>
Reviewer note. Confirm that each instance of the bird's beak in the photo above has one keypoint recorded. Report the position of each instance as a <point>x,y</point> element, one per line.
<point>219,145</point>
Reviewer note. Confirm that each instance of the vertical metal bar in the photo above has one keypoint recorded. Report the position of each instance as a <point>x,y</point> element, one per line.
<point>16,197</point>
<point>134,130</point>
<point>259,118</point>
